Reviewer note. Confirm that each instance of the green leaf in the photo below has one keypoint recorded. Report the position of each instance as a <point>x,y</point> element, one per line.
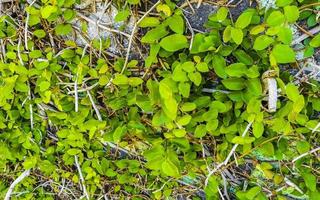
<point>122,15</point>
<point>165,90</point>
<point>292,92</point>
<point>35,54</point>
<point>195,77</point>
<point>170,108</point>
<point>227,34</point>
<point>184,120</point>
<point>283,54</point>
<point>257,29</point>
<point>237,35</point>
<point>179,132</point>
<point>200,131</point>
<point>44,85</point>
<point>133,2</point>
<point>63,29</point>
<point>154,34</point>
<point>257,129</point>
<point>282,3</point>
<point>149,22</point>
<point>222,14</point>
<point>46,11</point>
<point>253,192</point>
<point>315,42</point>
<point>303,146</point>
<point>285,35</point>
<point>243,140</point>
<point>11,55</point>
<point>262,42</point>
<point>298,105</point>
<point>34,20</point>
<point>174,42</point>
<point>186,107</point>
<point>169,168</point>
<point>244,19</point>
<point>276,18</point>
<point>135,81</point>
<point>236,70</point>
<point>291,13</point>
<point>39,33</point>
<point>68,53</point>
<point>120,79</point>
<point>202,67</point>
<point>234,83</point>
<point>310,180</point>
<point>29,162</point>
<point>176,24</point>
<point>184,89</point>
<point>73,151</point>
<point>188,66</point>
<point>243,57</point>
<point>219,65</point>
<point>119,133</point>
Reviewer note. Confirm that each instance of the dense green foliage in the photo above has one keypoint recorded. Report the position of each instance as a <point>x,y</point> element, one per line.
<point>60,101</point>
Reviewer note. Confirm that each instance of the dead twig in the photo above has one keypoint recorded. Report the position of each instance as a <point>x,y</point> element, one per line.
<point>305,154</point>
<point>132,35</point>
<point>102,26</point>
<point>16,182</point>
<point>225,162</point>
<point>305,36</point>
<point>81,178</point>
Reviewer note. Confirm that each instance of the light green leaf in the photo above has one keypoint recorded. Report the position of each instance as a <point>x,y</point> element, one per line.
<point>244,19</point>
<point>149,22</point>
<point>174,42</point>
<point>222,14</point>
<point>186,107</point>
<point>310,180</point>
<point>63,29</point>
<point>176,24</point>
<point>291,13</point>
<point>285,35</point>
<point>283,54</point>
<point>120,79</point>
<point>169,168</point>
<point>292,92</point>
<point>122,15</point>
<point>243,140</point>
<point>234,83</point>
<point>257,129</point>
<point>154,34</point>
<point>165,90</point>
<point>237,35</point>
<point>195,77</point>
<point>202,67</point>
<point>44,85</point>
<point>276,18</point>
<point>315,42</point>
<point>282,3</point>
<point>46,11</point>
<point>262,42</point>
<point>188,66</point>
<point>236,69</point>
<point>200,131</point>
<point>219,65</point>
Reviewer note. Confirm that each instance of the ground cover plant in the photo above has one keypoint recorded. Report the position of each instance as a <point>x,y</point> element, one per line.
<point>152,108</point>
